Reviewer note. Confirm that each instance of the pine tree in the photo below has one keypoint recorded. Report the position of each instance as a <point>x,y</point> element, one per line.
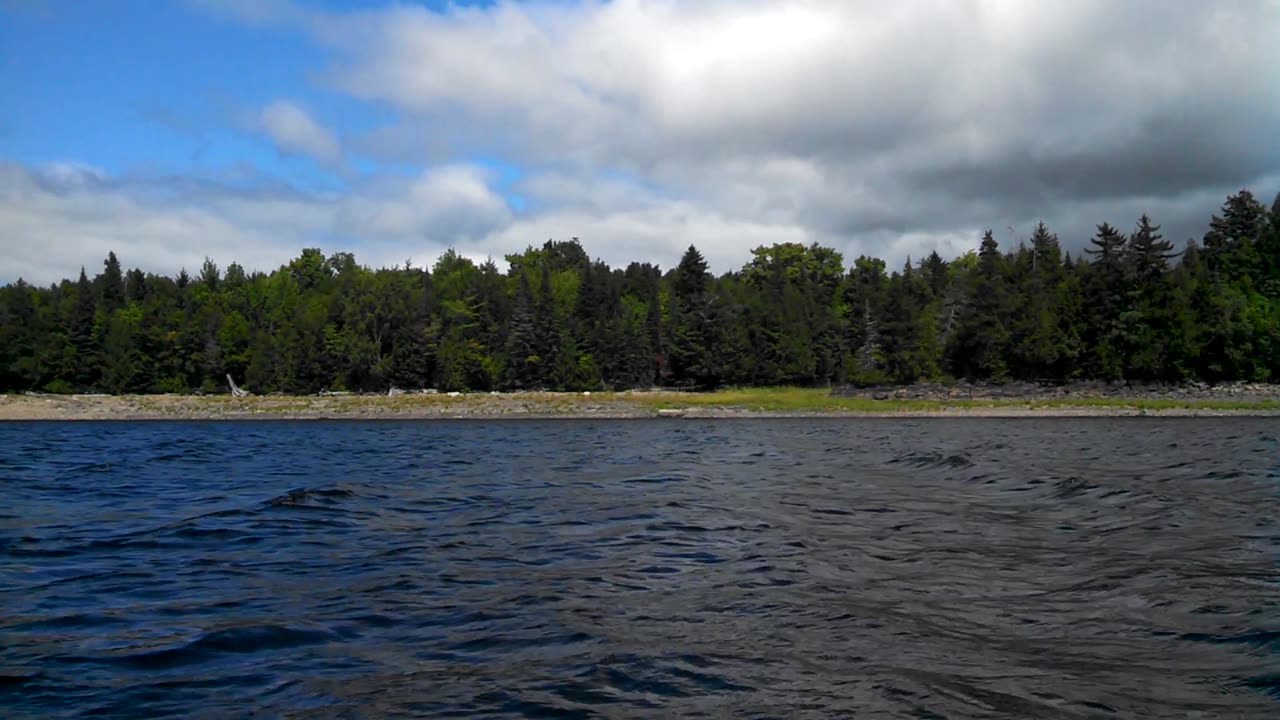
<point>524,364</point>
<point>549,334</point>
<point>1107,248</point>
<point>1269,253</point>
<point>135,286</point>
<point>979,347</point>
<point>907,336</point>
<point>1039,342</point>
<point>210,276</point>
<point>82,336</point>
<point>18,337</point>
<point>1147,252</point>
<point>1145,322</point>
<point>864,291</point>
<point>692,340</point>
<point>935,272</point>
<point>1231,246</point>
<point>414,342</point>
<point>1105,302</point>
<point>111,285</point>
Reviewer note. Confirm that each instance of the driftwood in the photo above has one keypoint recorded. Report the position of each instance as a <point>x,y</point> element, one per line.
<point>236,391</point>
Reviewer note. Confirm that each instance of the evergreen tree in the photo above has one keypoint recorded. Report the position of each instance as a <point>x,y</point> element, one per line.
<point>111,285</point>
<point>907,335</point>
<point>18,337</point>
<point>791,315</point>
<point>864,299</point>
<point>136,286</point>
<point>692,340</point>
<point>1147,252</point>
<point>1105,301</point>
<point>82,337</point>
<point>414,342</point>
<point>524,365</point>
<point>1040,343</point>
<point>1230,245</point>
<point>549,333</point>
<point>979,346</point>
<point>1146,322</point>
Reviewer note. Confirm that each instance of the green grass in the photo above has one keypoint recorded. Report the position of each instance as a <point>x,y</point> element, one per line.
<point>780,399</point>
<point>793,399</point>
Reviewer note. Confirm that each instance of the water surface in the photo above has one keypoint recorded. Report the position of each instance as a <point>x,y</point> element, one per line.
<point>759,568</point>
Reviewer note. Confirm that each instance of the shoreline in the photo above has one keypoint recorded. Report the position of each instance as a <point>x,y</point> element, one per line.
<point>726,405</point>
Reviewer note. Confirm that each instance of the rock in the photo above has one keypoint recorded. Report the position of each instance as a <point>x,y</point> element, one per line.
<point>670,413</point>
<point>455,393</point>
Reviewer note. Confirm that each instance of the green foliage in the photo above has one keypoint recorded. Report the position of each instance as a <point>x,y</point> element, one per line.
<point>694,324</point>
<point>980,347</point>
<point>1129,308</point>
<point>58,386</point>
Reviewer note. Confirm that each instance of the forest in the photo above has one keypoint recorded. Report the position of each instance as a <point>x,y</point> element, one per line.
<point>1132,307</point>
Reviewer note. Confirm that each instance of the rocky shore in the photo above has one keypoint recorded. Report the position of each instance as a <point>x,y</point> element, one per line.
<point>1010,400</point>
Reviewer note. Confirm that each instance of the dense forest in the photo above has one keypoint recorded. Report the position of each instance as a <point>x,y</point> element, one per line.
<point>1131,307</point>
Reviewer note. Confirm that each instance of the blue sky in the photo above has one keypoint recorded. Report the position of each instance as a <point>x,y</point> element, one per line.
<point>164,87</point>
<point>245,130</point>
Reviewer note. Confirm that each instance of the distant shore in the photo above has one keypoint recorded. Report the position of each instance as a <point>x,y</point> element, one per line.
<point>926,401</point>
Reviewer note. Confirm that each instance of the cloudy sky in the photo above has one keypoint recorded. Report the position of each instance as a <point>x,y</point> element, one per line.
<point>245,130</point>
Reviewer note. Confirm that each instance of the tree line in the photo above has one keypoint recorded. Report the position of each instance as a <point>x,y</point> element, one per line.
<point>1131,307</point>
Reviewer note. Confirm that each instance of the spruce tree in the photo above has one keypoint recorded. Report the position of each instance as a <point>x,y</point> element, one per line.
<point>82,337</point>
<point>1106,299</point>
<point>1039,343</point>
<point>524,364</point>
<point>1146,321</point>
<point>111,284</point>
<point>979,346</point>
<point>863,295</point>
<point>692,338</point>
<point>1232,234</point>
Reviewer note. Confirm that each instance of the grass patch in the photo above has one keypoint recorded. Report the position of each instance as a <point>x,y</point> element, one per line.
<point>780,399</point>
<point>794,399</point>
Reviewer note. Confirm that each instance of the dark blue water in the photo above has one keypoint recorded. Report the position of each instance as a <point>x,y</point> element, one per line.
<point>788,569</point>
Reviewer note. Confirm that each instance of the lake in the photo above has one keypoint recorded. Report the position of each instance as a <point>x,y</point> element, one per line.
<point>933,568</point>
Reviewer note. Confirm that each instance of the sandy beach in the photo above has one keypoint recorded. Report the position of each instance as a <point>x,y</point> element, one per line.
<point>530,405</point>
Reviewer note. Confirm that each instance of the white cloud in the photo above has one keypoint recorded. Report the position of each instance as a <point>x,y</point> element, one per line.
<point>450,205</point>
<point>294,131</point>
<point>856,121</point>
<point>642,126</point>
<point>733,75</point>
<point>76,223</point>
<point>658,234</point>
<point>54,223</point>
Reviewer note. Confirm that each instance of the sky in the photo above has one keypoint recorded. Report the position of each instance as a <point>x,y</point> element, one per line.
<point>170,131</point>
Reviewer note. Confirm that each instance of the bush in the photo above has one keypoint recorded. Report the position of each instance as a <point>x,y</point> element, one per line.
<point>175,385</point>
<point>60,387</point>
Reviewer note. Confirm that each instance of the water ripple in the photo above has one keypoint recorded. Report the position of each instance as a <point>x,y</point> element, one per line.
<point>783,568</point>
